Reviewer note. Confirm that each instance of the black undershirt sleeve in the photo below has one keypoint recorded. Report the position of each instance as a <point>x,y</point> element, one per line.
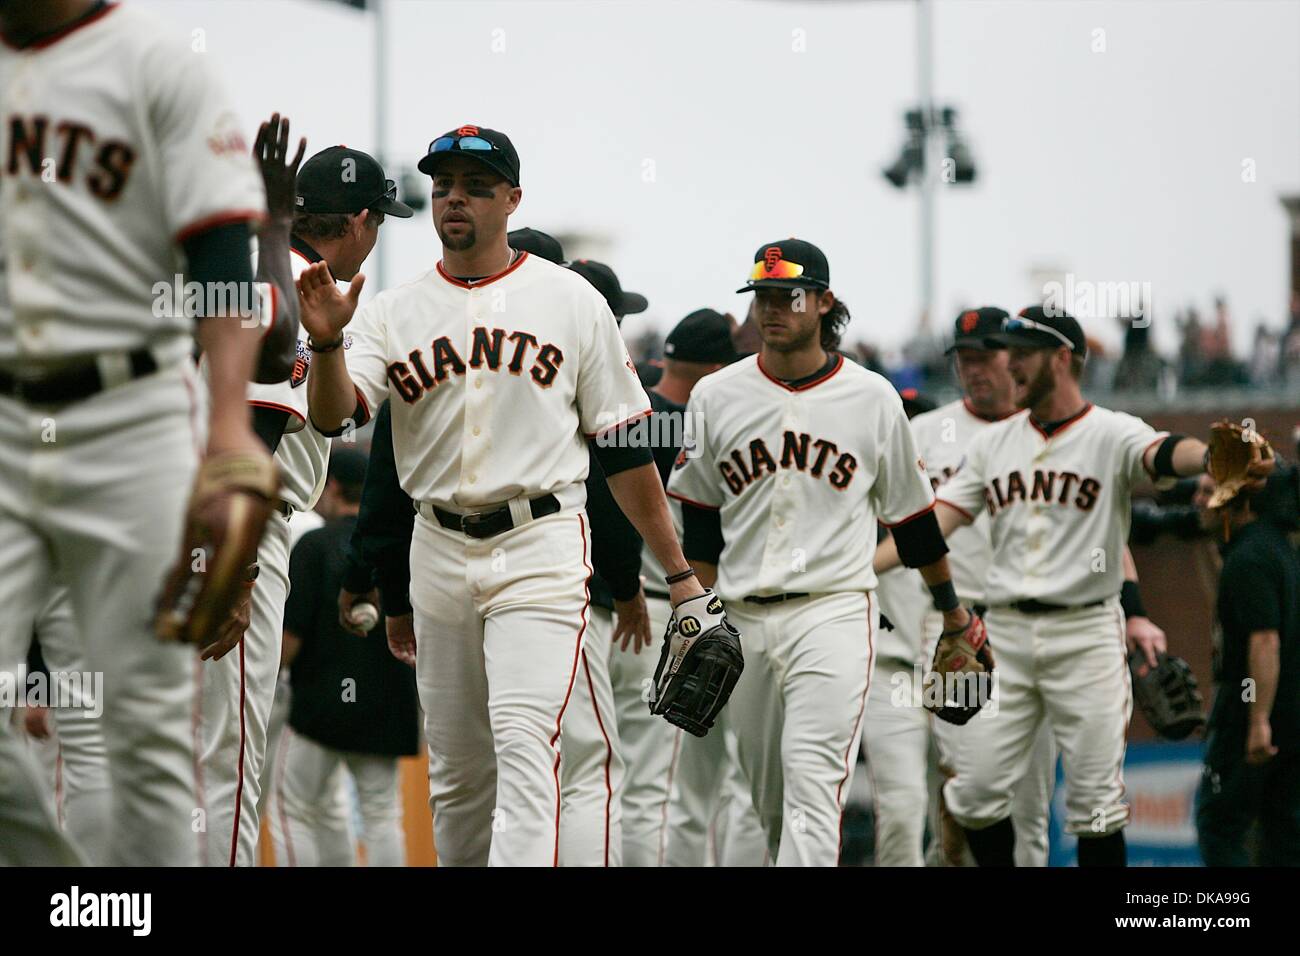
<point>219,255</point>
<point>615,456</point>
<point>615,544</point>
<point>702,533</point>
<point>359,417</point>
<point>920,542</point>
<point>269,424</point>
<point>381,538</point>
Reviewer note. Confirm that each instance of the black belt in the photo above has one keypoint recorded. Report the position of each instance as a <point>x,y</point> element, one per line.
<point>660,595</point>
<point>488,524</point>
<point>1031,606</point>
<point>774,598</point>
<point>71,383</point>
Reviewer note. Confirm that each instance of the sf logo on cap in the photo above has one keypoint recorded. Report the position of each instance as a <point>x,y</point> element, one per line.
<point>467,131</point>
<point>771,256</point>
<point>969,320</point>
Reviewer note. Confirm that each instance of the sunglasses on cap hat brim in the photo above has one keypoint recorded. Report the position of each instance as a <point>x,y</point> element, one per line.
<point>781,274</point>
<point>1026,333</point>
<point>388,204</point>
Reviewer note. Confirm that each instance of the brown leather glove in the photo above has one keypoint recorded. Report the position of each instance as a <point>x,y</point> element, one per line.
<point>228,511</point>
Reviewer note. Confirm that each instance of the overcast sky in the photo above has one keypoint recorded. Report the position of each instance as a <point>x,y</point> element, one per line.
<point>1110,137</point>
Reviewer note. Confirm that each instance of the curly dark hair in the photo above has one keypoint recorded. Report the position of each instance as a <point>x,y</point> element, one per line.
<point>833,323</point>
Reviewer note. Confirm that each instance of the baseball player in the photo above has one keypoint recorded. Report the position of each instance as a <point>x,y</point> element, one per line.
<point>592,771</point>
<point>907,743</point>
<point>1055,480</point>
<point>497,364</point>
<point>123,159</point>
<point>698,345</point>
<point>331,211</point>
<point>796,453</point>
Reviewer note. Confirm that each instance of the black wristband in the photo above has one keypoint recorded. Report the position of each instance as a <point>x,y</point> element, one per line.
<point>1130,600</point>
<point>332,346</point>
<point>680,576</point>
<point>945,597</point>
<point>1163,462</point>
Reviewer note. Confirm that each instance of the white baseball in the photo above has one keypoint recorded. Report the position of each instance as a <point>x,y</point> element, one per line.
<point>365,615</point>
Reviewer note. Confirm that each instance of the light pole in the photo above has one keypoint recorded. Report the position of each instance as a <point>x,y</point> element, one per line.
<point>934,153</point>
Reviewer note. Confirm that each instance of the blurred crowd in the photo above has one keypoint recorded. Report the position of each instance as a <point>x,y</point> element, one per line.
<point>1205,358</point>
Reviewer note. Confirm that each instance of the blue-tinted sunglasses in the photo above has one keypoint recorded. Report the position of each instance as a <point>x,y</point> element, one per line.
<point>445,144</point>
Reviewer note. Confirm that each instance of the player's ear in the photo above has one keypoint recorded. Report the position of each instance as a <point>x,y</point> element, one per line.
<point>825,302</point>
<point>516,195</point>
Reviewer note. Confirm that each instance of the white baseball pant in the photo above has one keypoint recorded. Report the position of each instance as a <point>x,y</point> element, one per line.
<point>237,693</point>
<point>312,791</point>
<point>499,627</point>
<point>797,714</point>
<point>592,772</point>
<point>275,730</point>
<point>98,489</point>
<point>905,745</point>
<point>648,745</point>
<point>81,787</point>
<point>1068,668</point>
<point>896,745</point>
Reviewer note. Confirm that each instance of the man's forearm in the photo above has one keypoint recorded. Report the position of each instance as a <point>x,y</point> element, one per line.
<point>231,345</point>
<point>706,573</point>
<point>1264,662</point>
<point>280,346</point>
<point>641,497</point>
<point>1189,457</point>
<point>331,396</point>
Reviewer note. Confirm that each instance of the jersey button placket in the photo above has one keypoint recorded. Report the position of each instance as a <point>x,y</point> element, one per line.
<point>777,555</point>
<point>477,398</point>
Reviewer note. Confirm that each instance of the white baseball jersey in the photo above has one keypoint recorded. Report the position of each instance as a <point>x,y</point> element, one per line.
<point>942,437</point>
<point>801,475</point>
<point>303,453</point>
<point>494,385</point>
<point>1059,507</point>
<point>106,130</point>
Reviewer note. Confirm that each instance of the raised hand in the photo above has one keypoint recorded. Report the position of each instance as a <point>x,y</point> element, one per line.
<point>325,308</point>
<point>278,176</point>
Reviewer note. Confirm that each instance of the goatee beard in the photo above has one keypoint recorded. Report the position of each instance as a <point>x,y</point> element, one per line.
<point>459,244</point>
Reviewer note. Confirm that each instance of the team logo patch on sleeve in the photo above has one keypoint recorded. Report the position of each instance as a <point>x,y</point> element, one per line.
<point>687,452</point>
<point>301,363</point>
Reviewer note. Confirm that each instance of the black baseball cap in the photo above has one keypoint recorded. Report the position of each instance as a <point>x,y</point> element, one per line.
<point>974,326</point>
<point>536,242</point>
<point>607,284</point>
<point>703,336</point>
<point>788,264</point>
<point>1037,328</point>
<point>487,146</point>
<point>342,180</point>
<point>914,403</point>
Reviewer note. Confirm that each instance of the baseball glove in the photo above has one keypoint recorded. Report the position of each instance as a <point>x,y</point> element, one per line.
<point>963,661</point>
<point>1237,459</point>
<point>699,665</point>
<point>1167,695</point>
<point>227,513</point>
